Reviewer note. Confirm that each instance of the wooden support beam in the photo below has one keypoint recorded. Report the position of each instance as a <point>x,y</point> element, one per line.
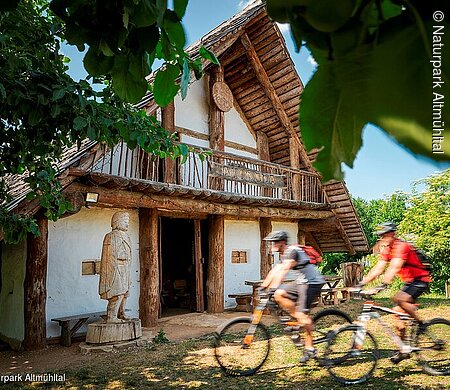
<point>342,232</point>
<point>294,155</point>
<point>272,95</point>
<point>168,122</point>
<point>310,240</point>
<point>35,288</point>
<point>149,267</point>
<point>265,227</point>
<point>216,116</point>
<point>198,261</point>
<point>301,236</point>
<point>314,225</point>
<point>215,279</point>
<point>127,199</point>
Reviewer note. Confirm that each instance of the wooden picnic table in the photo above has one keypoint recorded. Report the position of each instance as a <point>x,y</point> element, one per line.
<point>331,281</point>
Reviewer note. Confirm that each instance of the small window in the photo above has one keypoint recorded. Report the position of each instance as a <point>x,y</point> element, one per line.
<point>239,256</point>
<point>90,267</point>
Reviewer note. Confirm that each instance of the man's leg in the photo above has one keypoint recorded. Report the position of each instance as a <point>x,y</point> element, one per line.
<point>281,296</point>
<point>121,313</point>
<point>113,308</point>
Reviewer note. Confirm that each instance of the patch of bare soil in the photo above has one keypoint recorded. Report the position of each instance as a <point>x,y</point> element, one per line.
<point>58,358</point>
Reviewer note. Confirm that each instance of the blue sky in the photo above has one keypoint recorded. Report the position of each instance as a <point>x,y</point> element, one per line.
<point>381,166</point>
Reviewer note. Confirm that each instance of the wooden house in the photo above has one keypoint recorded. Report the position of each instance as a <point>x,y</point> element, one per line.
<point>196,228</point>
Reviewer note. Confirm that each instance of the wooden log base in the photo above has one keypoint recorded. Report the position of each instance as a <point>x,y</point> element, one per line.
<point>100,333</point>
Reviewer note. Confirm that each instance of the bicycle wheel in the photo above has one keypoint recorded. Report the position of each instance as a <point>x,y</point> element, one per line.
<point>434,354</point>
<point>325,323</point>
<point>345,362</point>
<point>235,357</point>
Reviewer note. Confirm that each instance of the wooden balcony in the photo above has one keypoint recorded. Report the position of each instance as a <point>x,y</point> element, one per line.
<point>214,170</point>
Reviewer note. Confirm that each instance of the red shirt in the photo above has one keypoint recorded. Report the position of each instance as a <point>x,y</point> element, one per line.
<point>412,268</point>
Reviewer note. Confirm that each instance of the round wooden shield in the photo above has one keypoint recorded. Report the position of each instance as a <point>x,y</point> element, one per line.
<point>222,96</point>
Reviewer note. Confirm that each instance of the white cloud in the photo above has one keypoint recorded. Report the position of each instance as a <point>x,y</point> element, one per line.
<point>311,60</point>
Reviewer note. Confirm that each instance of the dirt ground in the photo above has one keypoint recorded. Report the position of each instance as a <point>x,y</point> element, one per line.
<point>56,357</point>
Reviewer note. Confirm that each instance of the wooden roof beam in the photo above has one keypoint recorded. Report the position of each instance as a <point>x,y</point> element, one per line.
<point>263,78</point>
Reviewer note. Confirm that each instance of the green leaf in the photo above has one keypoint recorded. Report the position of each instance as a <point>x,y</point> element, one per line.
<point>208,55</point>
<point>165,88</point>
<point>180,7</point>
<point>55,110</point>
<point>174,30</point>
<point>138,67</point>
<point>34,117</point>
<point>105,49</point>
<point>58,94</point>
<point>79,123</point>
<point>96,63</point>
<point>185,79</point>
<point>128,76</point>
<point>144,13</point>
<point>2,91</point>
<point>161,6</point>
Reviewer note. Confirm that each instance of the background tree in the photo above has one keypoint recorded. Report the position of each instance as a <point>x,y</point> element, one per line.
<point>43,110</point>
<point>427,223</point>
<point>371,214</point>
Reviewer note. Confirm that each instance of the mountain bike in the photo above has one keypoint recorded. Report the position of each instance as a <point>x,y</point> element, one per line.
<point>352,352</point>
<point>242,344</point>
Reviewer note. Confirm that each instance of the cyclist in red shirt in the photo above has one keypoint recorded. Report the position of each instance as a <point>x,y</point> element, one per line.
<point>400,259</point>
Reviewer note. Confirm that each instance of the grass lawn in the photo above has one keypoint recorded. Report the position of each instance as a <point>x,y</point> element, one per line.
<point>191,365</point>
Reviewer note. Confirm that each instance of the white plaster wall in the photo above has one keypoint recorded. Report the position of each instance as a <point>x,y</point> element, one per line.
<point>237,131</point>
<point>73,240</point>
<point>192,112</point>
<point>11,296</point>
<point>240,235</point>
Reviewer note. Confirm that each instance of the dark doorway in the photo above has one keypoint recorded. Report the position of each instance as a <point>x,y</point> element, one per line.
<point>180,271</point>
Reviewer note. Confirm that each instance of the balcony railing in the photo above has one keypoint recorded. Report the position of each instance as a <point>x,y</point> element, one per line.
<point>216,171</point>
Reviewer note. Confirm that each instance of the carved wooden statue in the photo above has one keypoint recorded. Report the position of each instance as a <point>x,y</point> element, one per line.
<point>115,268</point>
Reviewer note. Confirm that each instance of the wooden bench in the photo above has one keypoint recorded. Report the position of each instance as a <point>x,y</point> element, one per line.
<point>68,332</point>
<point>243,301</point>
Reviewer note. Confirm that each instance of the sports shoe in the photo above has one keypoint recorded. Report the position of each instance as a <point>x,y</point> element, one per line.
<point>398,357</point>
<point>308,354</point>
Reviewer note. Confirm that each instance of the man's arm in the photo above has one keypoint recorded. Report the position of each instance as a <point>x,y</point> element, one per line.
<point>376,271</point>
<point>395,266</point>
<point>276,275</point>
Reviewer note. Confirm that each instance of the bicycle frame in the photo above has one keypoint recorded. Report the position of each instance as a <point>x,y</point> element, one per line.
<point>370,311</point>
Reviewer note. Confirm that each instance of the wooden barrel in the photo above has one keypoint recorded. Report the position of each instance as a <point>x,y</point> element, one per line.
<point>352,273</point>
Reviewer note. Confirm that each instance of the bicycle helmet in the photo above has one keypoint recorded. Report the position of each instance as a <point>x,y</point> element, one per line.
<point>277,236</point>
<point>385,227</point>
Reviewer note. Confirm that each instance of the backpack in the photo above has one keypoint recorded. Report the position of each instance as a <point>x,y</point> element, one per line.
<point>423,258</point>
<point>314,256</point>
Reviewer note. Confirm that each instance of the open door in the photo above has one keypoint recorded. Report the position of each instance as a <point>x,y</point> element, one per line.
<point>198,261</point>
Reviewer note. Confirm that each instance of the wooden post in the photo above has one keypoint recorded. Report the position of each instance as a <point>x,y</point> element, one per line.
<point>352,273</point>
<point>149,267</point>
<point>295,163</point>
<point>216,123</point>
<point>35,288</point>
<point>262,143</point>
<point>301,237</point>
<point>215,280</point>
<point>265,227</point>
<point>216,116</point>
<point>200,306</point>
<point>168,122</point>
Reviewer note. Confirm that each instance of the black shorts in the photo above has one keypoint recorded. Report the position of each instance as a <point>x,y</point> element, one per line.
<point>415,289</point>
<point>302,294</point>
